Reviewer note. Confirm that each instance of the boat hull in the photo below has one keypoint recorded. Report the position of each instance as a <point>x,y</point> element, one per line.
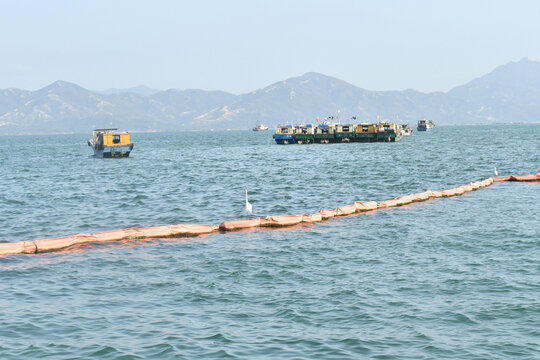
<point>345,136</point>
<point>304,139</point>
<point>113,152</point>
<point>325,138</point>
<point>284,139</point>
<point>388,137</point>
<point>366,137</point>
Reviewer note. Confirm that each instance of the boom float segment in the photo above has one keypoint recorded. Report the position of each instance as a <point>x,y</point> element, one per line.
<point>183,230</point>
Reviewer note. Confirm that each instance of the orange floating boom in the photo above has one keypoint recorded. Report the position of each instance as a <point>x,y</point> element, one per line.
<point>183,230</point>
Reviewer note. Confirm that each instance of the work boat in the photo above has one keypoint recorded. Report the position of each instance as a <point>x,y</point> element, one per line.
<point>260,127</point>
<point>425,125</point>
<point>285,134</point>
<point>108,143</point>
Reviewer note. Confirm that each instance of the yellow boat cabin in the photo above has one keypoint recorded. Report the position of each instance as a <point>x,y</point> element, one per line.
<point>110,143</point>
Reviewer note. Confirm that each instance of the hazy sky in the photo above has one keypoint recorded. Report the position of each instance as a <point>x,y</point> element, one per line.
<point>239,46</point>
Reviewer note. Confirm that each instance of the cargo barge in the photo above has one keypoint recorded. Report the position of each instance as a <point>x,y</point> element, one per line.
<point>337,133</point>
<point>284,135</point>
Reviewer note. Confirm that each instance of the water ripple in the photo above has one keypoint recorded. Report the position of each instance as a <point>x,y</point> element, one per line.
<point>450,278</point>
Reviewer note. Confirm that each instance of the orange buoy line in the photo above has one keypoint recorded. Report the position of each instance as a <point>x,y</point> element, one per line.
<point>46,245</point>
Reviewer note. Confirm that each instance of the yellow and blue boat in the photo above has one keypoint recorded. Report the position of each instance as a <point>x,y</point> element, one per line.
<point>285,134</point>
<point>109,143</point>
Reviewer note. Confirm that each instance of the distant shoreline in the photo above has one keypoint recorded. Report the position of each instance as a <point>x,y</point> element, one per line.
<point>248,130</point>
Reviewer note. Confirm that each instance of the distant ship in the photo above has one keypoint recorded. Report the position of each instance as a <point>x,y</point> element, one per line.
<point>425,125</point>
<point>109,143</point>
<point>260,127</point>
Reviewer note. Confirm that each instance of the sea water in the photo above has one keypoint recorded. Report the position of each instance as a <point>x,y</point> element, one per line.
<point>455,278</point>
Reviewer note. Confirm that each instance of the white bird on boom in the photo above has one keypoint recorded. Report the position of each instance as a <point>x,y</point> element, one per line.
<point>249,208</point>
<point>496,173</point>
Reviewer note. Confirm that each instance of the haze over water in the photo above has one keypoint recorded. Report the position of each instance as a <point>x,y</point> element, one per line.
<point>448,278</point>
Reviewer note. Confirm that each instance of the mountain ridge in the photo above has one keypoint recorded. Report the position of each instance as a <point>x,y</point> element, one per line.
<point>509,93</point>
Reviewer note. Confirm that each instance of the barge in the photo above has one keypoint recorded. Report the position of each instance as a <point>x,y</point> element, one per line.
<point>305,134</point>
<point>325,134</point>
<point>285,135</point>
<point>337,133</point>
<point>110,143</point>
<point>345,133</point>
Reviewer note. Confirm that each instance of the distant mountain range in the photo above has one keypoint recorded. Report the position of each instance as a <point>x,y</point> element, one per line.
<point>510,93</point>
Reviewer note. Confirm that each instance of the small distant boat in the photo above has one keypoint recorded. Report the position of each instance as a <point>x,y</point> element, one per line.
<point>406,130</point>
<point>260,127</point>
<point>109,143</point>
<point>425,125</point>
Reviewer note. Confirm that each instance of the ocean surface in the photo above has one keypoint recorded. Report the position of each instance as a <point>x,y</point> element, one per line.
<point>453,278</point>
